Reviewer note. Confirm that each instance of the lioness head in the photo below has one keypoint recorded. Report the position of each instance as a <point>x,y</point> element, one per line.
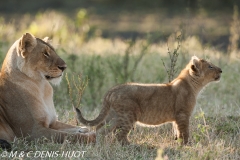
<point>204,70</point>
<point>38,59</point>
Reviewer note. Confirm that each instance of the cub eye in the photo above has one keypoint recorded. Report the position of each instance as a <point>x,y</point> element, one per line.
<point>211,67</point>
<point>45,53</point>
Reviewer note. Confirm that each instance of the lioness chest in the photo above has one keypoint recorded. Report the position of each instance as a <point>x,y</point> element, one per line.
<point>47,113</point>
<point>38,100</point>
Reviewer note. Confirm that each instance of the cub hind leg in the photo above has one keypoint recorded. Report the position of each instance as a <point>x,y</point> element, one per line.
<point>107,126</point>
<point>119,125</point>
<point>124,125</point>
<point>122,133</point>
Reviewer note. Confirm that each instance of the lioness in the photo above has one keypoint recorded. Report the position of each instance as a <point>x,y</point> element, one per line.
<point>154,104</point>
<point>26,96</point>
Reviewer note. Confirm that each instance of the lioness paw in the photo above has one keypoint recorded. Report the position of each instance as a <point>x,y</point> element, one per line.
<point>83,130</point>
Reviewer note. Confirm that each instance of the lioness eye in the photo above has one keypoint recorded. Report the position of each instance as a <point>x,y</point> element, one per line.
<point>210,67</point>
<point>45,53</point>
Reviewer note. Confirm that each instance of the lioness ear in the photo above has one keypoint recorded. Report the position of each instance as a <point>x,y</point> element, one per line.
<point>47,40</point>
<point>195,65</point>
<point>26,44</point>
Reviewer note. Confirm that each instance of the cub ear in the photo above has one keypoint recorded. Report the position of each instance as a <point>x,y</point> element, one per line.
<point>195,65</point>
<point>26,44</point>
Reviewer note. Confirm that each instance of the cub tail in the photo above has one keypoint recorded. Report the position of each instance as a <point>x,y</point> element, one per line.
<point>96,121</point>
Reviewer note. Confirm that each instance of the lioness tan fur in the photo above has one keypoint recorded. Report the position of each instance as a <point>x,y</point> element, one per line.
<point>154,104</point>
<point>26,96</point>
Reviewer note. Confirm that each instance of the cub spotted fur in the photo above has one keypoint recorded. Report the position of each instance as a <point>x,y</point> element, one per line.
<point>154,104</point>
<point>26,96</point>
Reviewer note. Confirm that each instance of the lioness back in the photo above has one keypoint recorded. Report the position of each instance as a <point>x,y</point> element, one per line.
<point>154,104</point>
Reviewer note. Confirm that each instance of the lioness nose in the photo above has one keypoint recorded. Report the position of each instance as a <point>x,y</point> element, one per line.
<point>220,71</point>
<point>62,67</point>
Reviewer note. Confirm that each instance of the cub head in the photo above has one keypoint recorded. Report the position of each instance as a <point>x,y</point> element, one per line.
<point>204,70</point>
<point>38,60</point>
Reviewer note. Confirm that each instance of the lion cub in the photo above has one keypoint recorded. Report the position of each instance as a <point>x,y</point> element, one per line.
<point>154,104</point>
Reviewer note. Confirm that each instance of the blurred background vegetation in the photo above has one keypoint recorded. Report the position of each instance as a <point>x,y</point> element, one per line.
<point>208,20</point>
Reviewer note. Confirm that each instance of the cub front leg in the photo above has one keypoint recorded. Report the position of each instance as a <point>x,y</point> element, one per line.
<point>175,130</point>
<point>182,127</point>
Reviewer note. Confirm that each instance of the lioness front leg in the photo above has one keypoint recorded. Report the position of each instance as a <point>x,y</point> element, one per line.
<point>182,125</point>
<point>60,136</point>
<point>68,128</point>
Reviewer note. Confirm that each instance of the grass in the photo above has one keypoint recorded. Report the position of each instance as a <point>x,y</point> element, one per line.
<point>214,130</point>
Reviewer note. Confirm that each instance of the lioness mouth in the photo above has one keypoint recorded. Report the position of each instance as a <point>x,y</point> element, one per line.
<point>49,77</point>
